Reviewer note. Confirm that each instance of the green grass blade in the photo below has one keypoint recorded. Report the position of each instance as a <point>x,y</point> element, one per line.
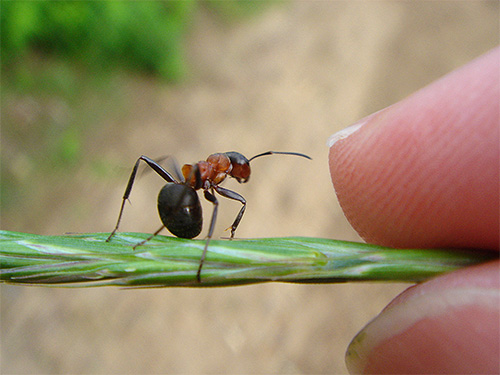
<point>87,260</point>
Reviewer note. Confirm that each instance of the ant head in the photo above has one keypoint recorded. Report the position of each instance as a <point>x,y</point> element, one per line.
<point>241,165</point>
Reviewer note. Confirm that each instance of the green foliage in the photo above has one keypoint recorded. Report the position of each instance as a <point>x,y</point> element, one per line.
<point>142,35</point>
<point>66,70</point>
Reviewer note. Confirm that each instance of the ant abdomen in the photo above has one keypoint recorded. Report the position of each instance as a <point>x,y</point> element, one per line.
<point>180,210</point>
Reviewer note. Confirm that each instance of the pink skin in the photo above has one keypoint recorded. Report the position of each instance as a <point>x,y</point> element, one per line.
<point>463,337</point>
<point>424,172</point>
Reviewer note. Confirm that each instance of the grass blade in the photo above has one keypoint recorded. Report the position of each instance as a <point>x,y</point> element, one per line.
<point>87,260</point>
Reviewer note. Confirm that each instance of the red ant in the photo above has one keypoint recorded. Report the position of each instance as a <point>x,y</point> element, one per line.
<point>178,204</point>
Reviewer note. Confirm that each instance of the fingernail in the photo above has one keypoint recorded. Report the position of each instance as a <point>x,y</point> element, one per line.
<point>395,320</point>
<point>344,133</point>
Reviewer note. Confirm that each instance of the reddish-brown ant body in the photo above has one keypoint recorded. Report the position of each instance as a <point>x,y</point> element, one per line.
<point>178,204</point>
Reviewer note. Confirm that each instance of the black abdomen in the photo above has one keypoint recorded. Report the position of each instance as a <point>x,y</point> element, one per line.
<point>180,210</point>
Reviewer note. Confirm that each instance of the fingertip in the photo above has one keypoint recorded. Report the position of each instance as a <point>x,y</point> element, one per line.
<point>448,325</point>
<point>425,171</point>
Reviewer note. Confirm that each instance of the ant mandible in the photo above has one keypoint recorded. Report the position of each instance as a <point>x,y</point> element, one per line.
<point>178,204</point>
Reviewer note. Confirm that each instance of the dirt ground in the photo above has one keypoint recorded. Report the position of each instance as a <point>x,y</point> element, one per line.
<point>284,80</point>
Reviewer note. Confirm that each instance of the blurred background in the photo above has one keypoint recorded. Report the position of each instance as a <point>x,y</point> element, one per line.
<point>87,87</point>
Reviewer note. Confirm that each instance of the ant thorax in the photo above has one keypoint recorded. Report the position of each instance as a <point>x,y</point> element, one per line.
<point>211,172</point>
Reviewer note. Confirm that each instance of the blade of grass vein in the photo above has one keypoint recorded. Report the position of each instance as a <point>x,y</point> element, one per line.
<point>167,261</point>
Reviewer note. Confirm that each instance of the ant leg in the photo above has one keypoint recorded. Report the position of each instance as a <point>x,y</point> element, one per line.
<point>209,197</point>
<point>157,168</point>
<point>233,195</point>
<point>125,197</point>
<point>171,165</point>
<point>149,238</point>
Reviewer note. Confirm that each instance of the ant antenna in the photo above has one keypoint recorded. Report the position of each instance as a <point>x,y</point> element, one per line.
<point>279,152</point>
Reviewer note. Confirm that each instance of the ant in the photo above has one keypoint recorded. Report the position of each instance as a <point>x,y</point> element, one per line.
<point>178,204</point>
